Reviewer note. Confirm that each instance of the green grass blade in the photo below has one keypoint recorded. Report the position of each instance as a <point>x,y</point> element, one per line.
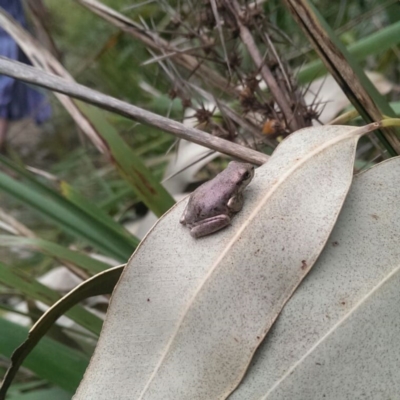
<point>378,99</point>
<point>102,283</point>
<point>370,111</point>
<point>50,360</point>
<point>345,69</point>
<point>88,264</point>
<point>131,168</point>
<point>375,43</point>
<point>53,393</point>
<point>67,215</point>
<point>95,212</point>
<point>24,283</point>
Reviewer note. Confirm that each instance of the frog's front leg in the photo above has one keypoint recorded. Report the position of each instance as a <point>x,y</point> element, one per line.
<point>235,203</point>
<point>210,225</point>
<point>183,217</point>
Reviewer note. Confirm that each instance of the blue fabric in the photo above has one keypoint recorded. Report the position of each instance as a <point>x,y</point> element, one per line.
<point>17,99</point>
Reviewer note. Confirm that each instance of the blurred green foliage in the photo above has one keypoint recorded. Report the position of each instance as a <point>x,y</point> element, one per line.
<point>99,56</point>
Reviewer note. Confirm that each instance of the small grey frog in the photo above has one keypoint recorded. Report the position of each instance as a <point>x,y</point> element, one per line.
<point>212,205</point>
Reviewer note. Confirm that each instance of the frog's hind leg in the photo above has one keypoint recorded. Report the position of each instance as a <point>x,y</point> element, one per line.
<point>210,225</point>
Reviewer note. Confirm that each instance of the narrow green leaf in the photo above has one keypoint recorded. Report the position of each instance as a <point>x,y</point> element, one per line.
<point>147,188</point>
<point>102,283</point>
<point>396,107</point>
<point>81,260</point>
<point>345,69</point>
<point>54,393</point>
<point>388,137</point>
<point>50,360</point>
<point>24,283</point>
<point>67,215</point>
<point>72,195</point>
<point>375,43</point>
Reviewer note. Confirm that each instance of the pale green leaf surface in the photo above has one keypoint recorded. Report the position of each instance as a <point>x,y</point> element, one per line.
<point>187,315</point>
<point>338,336</point>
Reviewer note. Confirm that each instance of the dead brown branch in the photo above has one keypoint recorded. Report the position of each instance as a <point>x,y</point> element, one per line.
<point>49,81</point>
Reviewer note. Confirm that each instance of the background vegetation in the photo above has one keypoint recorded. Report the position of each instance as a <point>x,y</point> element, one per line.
<point>62,201</point>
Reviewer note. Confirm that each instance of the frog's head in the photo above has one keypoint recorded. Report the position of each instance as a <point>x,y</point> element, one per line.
<point>243,173</point>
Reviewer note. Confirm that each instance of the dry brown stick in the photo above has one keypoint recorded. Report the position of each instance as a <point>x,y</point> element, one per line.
<point>49,81</point>
<point>331,52</point>
<point>154,41</point>
<point>279,61</point>
<point>294,121</point>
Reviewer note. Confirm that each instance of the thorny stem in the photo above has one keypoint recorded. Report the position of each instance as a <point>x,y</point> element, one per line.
<point>294,121</point>
<point>208,75</point>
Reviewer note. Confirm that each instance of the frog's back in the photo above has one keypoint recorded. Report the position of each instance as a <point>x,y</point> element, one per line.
<point>211,198</point>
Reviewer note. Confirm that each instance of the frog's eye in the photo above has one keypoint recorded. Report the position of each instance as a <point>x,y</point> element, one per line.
<point>246,175</point>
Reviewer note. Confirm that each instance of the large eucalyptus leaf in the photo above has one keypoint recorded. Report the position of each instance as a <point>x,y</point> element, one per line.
<point>338,336</point>
<point>188,315</point>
